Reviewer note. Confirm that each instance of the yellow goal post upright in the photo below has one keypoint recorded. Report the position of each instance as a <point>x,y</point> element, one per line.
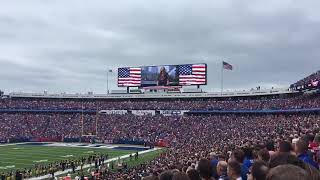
<point>94,134</point>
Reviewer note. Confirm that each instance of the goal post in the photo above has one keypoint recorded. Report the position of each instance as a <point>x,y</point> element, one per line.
<point>94,131</point>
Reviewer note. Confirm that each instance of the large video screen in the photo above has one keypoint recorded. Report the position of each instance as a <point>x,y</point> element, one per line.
<point>165,75</point>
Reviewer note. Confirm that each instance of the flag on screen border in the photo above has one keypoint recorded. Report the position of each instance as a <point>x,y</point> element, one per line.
<point>227,65</point>
<point>314,83</point>
<point>192,74</point>
<point>129,77</point>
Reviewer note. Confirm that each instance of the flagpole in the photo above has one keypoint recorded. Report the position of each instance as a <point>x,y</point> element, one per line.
<point>107,81</point>
<point>221,78</point>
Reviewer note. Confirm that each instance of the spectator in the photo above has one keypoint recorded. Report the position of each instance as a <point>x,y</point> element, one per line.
<point>286,158</point>
<point>295,139</point>
<point>151,178</point>
<point>214,161</point>
<point>248,161</point>
<point>222,168</point>
<point>205,169</point>
<point>286,172</point>
<point>180,176</point>
<point>301,148</point>
<point>167,175</point>
<point>285,147</point>
<point>234,170</point>
<point>270,147</point>
<point>238,155</point>
<point>259,171</point>
<point>193,174</point>
<point>264,155</point>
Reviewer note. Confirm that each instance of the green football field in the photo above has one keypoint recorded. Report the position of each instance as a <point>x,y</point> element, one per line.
<point>24,156</point>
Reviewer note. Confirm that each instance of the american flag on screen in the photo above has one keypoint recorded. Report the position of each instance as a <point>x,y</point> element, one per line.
<point>192,74</point>
<point>129,77</point>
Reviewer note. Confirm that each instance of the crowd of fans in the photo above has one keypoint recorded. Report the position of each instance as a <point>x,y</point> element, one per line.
<point>307,80</point>
<point>273,102</point>
<point>195,142</point>
<point>200,147</point>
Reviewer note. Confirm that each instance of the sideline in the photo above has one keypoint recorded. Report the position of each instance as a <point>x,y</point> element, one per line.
<point>11,144</point>
<point>58,173</point>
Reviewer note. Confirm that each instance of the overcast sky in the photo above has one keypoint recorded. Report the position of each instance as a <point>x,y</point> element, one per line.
<point>67,45</point>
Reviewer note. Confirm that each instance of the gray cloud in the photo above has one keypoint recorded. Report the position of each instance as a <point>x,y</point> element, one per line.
<point>68,45</point>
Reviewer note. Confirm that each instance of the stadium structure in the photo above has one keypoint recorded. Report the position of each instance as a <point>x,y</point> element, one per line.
<point>138,134</point>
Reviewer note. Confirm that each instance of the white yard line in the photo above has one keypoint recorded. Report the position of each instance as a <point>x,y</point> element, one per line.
<point>91,165</point>
<point>11,144</point>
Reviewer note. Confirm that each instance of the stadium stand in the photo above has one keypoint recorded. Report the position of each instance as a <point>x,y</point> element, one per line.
<point>214,137</point>
<point>219,134</point>
<point>309,82</point>
<point>290,101</point>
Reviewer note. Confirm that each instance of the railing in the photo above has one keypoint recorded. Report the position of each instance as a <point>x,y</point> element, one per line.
<point>153,95</point>
<point>163,112</point>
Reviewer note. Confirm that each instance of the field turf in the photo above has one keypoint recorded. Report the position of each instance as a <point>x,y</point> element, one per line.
<point>25,156</point>
<point>143,159</point>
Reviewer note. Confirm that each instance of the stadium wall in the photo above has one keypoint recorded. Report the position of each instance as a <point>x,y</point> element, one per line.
<point>153,95</point>
<point>166,112</point>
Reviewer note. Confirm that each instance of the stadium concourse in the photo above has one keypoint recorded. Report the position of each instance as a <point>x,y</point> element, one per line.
<point>248,137</point>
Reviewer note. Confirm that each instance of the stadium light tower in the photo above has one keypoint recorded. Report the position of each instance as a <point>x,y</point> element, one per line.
<point>108,71</point>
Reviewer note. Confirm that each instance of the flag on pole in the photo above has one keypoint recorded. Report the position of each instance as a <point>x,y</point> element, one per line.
<point>227,65</point>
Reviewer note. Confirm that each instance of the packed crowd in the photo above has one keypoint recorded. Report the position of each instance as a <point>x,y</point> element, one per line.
<point>29,125</point>
<point>153,128</point>
<point>273,102</point>
<point>226,140</point>
<point>305,81</point>
<point>200,147</point>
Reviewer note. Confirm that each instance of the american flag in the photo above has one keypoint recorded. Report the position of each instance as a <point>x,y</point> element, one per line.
<point>192,74</point>
<point>129,77</point>
<point>227,65</point>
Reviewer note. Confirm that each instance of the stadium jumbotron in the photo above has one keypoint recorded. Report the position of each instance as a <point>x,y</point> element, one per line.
<point>154,91</point>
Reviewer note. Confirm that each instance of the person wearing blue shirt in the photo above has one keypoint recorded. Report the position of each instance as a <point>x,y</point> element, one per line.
<point>301,149</point>
<point>248,161</point>
<point>238,155</point>
<point>214,162</point>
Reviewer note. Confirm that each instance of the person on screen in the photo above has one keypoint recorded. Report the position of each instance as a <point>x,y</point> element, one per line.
<point>163,79</point>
